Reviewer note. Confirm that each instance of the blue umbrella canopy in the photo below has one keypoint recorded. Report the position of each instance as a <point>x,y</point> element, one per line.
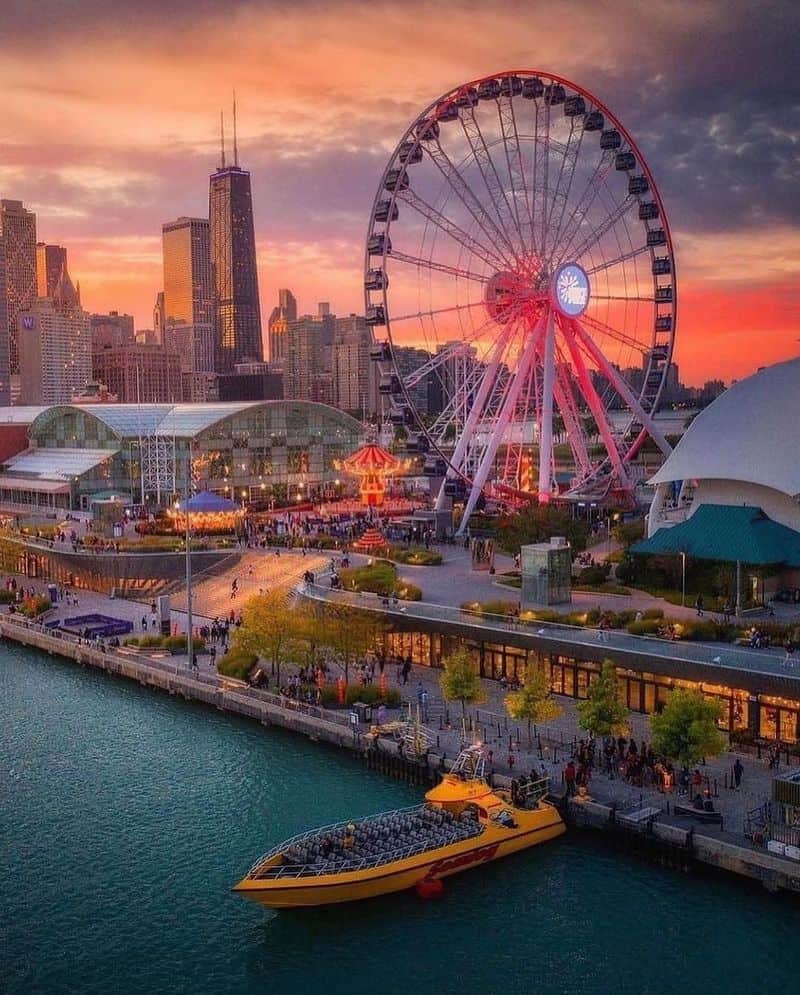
<point>206,501</point>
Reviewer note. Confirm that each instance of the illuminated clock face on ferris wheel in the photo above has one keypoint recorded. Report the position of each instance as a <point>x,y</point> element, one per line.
<point>520,265</point>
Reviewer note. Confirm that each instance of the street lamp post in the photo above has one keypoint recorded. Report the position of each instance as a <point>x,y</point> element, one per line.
<point>683,580</point>
<point>188,540</point>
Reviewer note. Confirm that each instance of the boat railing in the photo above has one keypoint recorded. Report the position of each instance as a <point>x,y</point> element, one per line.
<point>534,791</point>
<point>391,856</point>
<point>311,833</point>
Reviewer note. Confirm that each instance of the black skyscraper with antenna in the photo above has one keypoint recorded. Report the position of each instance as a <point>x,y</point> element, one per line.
<point>237,317</point>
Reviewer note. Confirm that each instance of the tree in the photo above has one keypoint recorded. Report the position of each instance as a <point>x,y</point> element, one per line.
<point>686,730</point>
<point>269,629</point>
<point>533,702</point>
<point>603,713</point>
<point>351,634</point>
<point>460,681</point>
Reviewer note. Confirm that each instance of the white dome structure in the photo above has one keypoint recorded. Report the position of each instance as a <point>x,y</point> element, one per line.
<point>744,449</point>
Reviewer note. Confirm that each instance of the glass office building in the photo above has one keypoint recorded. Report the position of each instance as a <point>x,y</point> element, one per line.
<point>144,454</point>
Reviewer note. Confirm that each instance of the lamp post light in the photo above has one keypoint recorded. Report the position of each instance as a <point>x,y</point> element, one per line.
<point>683,579</point>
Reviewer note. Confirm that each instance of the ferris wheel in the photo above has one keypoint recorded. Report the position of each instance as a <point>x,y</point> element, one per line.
<point>519,260</point>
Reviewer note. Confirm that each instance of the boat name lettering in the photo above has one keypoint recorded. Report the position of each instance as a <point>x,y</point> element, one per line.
<point>464,859</point>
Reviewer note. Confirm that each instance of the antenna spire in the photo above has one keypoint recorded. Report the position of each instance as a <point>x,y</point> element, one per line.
<point>222,138</point>
<point>235,146</point>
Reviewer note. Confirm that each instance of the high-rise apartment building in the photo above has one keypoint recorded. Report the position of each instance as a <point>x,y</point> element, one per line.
<point>355,377</point>
<point>159,316</point>
<point>111,329</point>
<point>285,312</point>
<point>139,374</point>
<point>186,313</point>
<point>5,379</point>
<point>18,234</point>
<point>308,358</point>
<point>55,347</point>
<point>233,258</point>
<point>50,260</point>
<point>188,280</point>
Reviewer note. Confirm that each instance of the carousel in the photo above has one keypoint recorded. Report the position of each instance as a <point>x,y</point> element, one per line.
<point>208,513</point>
<point>373,466</point>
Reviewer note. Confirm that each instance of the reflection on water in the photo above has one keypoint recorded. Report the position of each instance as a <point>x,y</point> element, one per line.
<point>126,816</point>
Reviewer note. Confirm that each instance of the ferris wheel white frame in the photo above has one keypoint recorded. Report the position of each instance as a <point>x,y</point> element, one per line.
<point>520,213</point>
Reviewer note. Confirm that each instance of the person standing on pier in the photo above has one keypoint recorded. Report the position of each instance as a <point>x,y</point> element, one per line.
<point>738,770</point>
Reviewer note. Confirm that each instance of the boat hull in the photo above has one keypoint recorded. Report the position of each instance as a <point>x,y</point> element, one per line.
<point>495,842</point>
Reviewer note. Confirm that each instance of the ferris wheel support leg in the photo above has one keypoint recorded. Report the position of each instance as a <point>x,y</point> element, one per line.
<point>506,413</point>
<point>622,388</point>
<point>546,424</point>
<point>474,415</point>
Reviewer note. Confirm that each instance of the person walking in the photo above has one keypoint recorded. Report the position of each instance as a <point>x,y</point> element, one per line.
<point>738,770</point>
<point>698,604</point>
<point>788,662</point>
<point>569,778</point>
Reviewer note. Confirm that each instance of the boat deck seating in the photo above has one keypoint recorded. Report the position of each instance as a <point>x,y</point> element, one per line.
<point>376,840</point>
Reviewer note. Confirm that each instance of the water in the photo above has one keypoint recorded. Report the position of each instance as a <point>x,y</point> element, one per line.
<point>125,816</point>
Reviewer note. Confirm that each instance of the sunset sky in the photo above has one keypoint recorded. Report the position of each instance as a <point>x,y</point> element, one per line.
<point>110,127</point>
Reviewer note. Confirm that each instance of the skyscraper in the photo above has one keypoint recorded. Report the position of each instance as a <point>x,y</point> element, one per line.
<point>308,358</point>
<point>55,349</point>
<point>355,377</point>
<point>18,233</point>
<point>188,281</point>
<point>233,257</point>
<point>50,260</point>
<point>285,312</point>
<point>5,379</point>
<point>188,304</point>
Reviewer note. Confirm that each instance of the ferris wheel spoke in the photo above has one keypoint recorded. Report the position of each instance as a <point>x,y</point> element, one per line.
<point>436,312</point>
<point>477,408</point>
<point>621,386</point>
<point>491,178</point>
<point>545,182</point>
<point>596,406</point>
<point>505,416</point>
<point>568,190</point>
<point>488,255</point>
<point>614,333</point>
<point>602,229</point>
<point>565,400</point>
<point>464,192</point>
<point>624,257</point>
<point>553,200</point>
<point>624,297</point>
<point>516,171</point>
<point>584,204</point>
<point>433,264</point>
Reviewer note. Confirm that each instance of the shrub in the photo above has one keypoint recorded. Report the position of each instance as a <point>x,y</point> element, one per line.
<point>647,627</point>
<point>31,607</point>
<point>653,613</point>
<point>177,644</point>
<point>7,597</point>
<point>131,641</point>
<point>369,694</point>
<point>415,556</point>
<point>597,574</point>
<point>379,577</point>
<point>236,663</point>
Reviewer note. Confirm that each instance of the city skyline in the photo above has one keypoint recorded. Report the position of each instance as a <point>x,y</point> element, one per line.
<point>717,124</point>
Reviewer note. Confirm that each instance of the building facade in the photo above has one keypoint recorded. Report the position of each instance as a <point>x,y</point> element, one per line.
<point>5,377</point>
<point>137,373</point>
<point>112,329</point>
<point>55,350</point>
<point>282,315</point>
<point>355,376</point>
<point>18,234</point>
<point>255,452</point>
<point>308,358</point>
<point>50,260</point>
<point>237,317</point>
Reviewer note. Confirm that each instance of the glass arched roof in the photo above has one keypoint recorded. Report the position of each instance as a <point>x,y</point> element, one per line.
<point>186,421</point>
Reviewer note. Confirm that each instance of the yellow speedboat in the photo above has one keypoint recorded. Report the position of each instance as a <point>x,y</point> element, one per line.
<point>463,822</point>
